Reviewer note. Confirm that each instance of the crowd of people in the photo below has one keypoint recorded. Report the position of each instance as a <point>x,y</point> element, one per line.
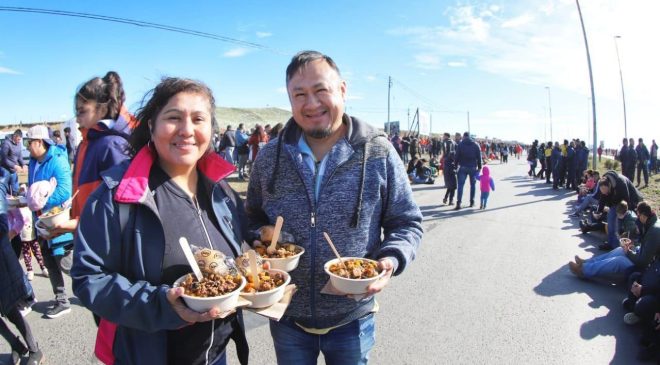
<point>143,181</point>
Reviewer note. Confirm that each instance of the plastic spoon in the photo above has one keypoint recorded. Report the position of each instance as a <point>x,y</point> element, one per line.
<point>252,257</point>
<point>191,258</point>
<point>332,246</point>
<point>276,235</point>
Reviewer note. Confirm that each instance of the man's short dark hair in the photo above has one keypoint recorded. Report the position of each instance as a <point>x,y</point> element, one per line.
<point>19,133</point>
<point>466,134</point>
<point>301,59</point>
<point>67,130</point>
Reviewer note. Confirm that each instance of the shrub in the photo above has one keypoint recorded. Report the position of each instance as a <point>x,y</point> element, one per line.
<point>608,164</point>
<point>615,165</point>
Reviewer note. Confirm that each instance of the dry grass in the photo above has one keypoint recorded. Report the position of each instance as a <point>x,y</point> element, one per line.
<point>651,193</point>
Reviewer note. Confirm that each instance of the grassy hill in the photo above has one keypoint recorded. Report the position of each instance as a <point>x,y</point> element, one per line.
<point>251,116</point>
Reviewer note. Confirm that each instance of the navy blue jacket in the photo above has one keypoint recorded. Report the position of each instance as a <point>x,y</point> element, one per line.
<point>468,154</point>
<point>14,285</point>
<point>11,154</point>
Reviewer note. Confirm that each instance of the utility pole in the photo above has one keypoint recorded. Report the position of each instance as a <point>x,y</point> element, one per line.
<point>550,112</point>
<point>591,81</point>
<point>623,93</point>
<point>389,88</point>
<point>468,120</point>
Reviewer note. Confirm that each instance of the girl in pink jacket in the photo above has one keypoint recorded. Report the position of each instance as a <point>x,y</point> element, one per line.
<point>486,184</point>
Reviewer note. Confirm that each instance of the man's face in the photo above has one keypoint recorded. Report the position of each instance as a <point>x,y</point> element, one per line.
<point>317,95</point>
<point>625,142</point>
<point>16,139</point>
<point>37,148</point>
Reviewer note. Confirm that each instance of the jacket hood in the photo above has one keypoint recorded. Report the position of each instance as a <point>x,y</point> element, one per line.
<point>485,171</point>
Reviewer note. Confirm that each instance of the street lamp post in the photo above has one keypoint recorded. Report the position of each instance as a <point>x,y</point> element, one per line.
<point>623,93</point>
<point>550,111</point>
<point>591,81</point>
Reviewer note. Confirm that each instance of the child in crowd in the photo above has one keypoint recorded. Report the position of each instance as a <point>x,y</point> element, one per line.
<point>422,173</point>
<point>486,184</point>
<point>20,224</point>
<point>587,185</point>
<point>449,173</point>
<point>589,199</point>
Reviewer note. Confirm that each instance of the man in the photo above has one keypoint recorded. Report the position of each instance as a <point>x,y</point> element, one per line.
<point>468,159</point>
<point>70,149</point>
<point>642,162</point>
<point>243,150</point>
<point>227,144</point>
<point>654,157</point>
<point>549,168</point>
<point>331,173</point>
<point>11,162</point>
<point>623,157</point>
<point>48,160</point>
<point>631,161</point>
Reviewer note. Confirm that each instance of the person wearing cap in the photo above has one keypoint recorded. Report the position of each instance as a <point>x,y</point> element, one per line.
<point>11,161</point>
<point>49,160</point>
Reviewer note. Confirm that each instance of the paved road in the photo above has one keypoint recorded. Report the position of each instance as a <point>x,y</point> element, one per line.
<point>487,287</point>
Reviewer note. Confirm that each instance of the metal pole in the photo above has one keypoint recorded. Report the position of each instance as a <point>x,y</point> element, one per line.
<point>389,87</point>
<point>468,115</point>
<point>591,81</point>
<point>550,112</point>
<point>623,93</point>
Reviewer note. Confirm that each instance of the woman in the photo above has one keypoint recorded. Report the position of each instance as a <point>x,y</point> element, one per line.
<point>15,291</point>
<point>105,125</point>
<point>127,254</point>
<point>257,140</point>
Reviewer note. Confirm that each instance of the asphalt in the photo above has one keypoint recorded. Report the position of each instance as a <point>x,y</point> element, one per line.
<point>487,286</point>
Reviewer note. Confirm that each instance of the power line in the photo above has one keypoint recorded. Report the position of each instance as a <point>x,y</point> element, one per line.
<point>143,24</point>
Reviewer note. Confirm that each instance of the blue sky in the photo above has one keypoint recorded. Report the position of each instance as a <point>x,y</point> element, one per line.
<point>493,59</point>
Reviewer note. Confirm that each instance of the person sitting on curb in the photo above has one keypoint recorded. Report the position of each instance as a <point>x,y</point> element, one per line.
<point>624,260</point>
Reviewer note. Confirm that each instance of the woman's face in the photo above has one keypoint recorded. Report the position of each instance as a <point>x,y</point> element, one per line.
<point>182,132</point>
<point>88,113</point>
<point>642,218</point>
<point>605,190</point>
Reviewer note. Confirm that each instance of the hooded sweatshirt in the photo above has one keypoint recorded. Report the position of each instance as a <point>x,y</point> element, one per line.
<point>486,183</point>
<point>364,203</point>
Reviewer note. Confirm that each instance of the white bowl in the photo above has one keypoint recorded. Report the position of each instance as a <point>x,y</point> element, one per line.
<point>55,219</point>
<point>16,201</point>
<point>267,298</point>
<point>288,263</point>
<point>350,286</point>
<point>223,302</point>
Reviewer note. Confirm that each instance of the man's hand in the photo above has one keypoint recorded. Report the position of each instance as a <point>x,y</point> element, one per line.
<point>636,289</point>
<point>386,266</point>
<point>189,315</point>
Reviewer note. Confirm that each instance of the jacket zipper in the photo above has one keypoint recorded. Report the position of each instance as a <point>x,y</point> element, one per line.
<point>199,215</point>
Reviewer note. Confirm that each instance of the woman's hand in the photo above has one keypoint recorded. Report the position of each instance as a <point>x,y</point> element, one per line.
<point>189,315</point>
<point>62,228</point>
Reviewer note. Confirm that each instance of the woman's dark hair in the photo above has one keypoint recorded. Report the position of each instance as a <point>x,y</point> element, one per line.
<point>645,208</point>
<point>301,59</point>
<point>154,101</point>
<point>276,129</point>
<point>108,90</point>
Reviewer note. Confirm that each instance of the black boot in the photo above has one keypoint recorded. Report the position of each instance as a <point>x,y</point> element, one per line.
<point>35,358</point>
<point>458,206</point>
<point>471,203</point>
<point>18,351</point>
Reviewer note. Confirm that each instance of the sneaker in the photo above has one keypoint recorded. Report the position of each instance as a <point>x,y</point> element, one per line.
<point>35,358</point>
<point>30,275</point>
<point>630,318</point>
<point>58,310</point>
<point>16,354</point>
<point>25,311</point>
<point>444,201</point>
<point>44,272</point>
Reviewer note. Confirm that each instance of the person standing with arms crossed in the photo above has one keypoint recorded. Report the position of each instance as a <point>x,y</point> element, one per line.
<point>330,172</point>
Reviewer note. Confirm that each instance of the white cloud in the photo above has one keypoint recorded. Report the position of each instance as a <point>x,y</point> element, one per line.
<point>370,78</point>
<point>236,52</point>
<point>5,70</point>
<point>456,64</point>
<point>264,34</point>
<point>281,90</point>
<point>518,21</point>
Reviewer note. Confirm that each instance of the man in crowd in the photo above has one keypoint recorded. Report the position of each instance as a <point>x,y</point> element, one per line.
<point>642,162</point>
<point>349,183</point>
<point>227,144</point>
<point>468,159</point>
<point>11,162</point>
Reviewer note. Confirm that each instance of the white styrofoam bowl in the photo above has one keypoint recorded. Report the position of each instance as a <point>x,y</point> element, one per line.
<point>267,298</point>
<point>16,201</point>
<point>288,263</point>
<point>223,302</point>
<point>53,220</point>
<point>350,286</point>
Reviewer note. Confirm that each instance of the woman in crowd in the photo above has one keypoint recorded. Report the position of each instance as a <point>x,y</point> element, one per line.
<point>127,253</point>
<point>257,140</point>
